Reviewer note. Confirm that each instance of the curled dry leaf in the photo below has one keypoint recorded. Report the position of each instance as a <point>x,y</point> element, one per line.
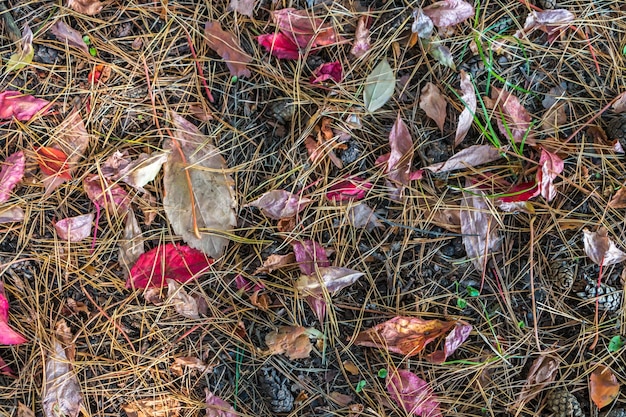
<point>227,47</point>
<point>601,249</point>
<point>64,33</point>
<point>516,117</point>
<point>8,336</point>
<point>189,362</point>
<point>199,197</point>
<point>603,386</point>
<point>162,406</point>
<point>136,173</point>
<point>542,373</point>
<point>279,45</point>
<point>292,341</point>
<point>551,166</point>
<point>105,194</point>
<point>466,118</point>
<point>331,279</point>
<point>328,71</point>
<point>11,174</point>
<point>131,244</point>
<point>379,86</point>
<point>245,7</point>
<point>21,106</point>
<point>473,156</point>
<point>454,339</point>
<point>216,407</point>
<point>88,7</point>
<point>183,303</point>
<point>304,30</point>
<point>26,53</point>
<point>449,12</point>
<point>422,24</point>
<point>399,163</point>
<point>412,394</point>
<point>552,22</point>
<point>404,335</point>
<point>74,229</point>
<point>274,262</point>
<point>362,38</point>
<point>362,216</point>
<point>434,104</point>
<point>11,214</point>
<point>280,204</point>
<point>442,54</point>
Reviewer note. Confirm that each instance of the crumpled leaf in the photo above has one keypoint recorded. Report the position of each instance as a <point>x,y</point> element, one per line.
<point>245,7</point>
<point>24,411</point>
<point>473,156</point>
<point>422,24</point>
<point>362,38</point>
<point>551,165</point>
<point>213,202</point>
<point>454,339</point>
<point>88,7</point>
<point>603,386</point>
<point>74,229</point>
<point>279,45</point>
<point>399,163</point>
<point>331,279</point>
<point>21,106</point>
<point>466,118</point>
<point>25,56</point>
<point>170,261</point>
<point>62,395</point>
<point>362,216</point>
<point>412,394</point>
<point>449,12</point>
<point>542,373</point>
<point>310,254</point>
<point>442,54</point>
<point>53,162</point>
<point>515,116</point>
<point>11,174</point>
<point>106,194</point>
<point>161,406</point>
<point>131,244</point>
<point>280,204</point>
<point>601,249</point>
<point>11,215</point>
<point>183,303</point>
<point>350,188</point>
<point>379,86</point>
<point>190,362</point>
<point>434,104</point>
<point>216,407</point>
<point>292,341</point>
<point>65,33</point>
<point>304,30</point>
<point>617,201</point>
<point>552,22</point>
<point>479,228</point>
<point>136,173</point>
<point>8,336</point>
<point>404,335</point>
<point>327,71</point>
<point>619,106</point>
<point>274,262</point>
<point>227,47</point>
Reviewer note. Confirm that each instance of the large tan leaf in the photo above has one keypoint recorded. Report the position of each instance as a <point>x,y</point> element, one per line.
<point>434,104</point>
<point>603,386</point>
<point>195,167</point>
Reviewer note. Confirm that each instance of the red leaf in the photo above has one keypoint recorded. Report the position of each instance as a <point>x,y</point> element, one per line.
<point>449,12</point>
<point>413,394</point>
<point>309,254</point>
<point>279,45</point>
<point>8,336</point>
<point>22,107</point>
<point>303,29</point>
<point>178,262</point>
<point>327,71</point>
<point>550,166</point>
<point>105,194</point>
<point>399,162</point>
<point>11,174</point>
<point>228,47</point>
<point>280,204</point>
<point>216,407</point>
<point>521,192</point>
<point>53,161</point>
<point>603,386</point>
<point>351,188</point>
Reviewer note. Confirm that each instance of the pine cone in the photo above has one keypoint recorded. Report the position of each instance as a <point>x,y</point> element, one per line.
<point>563,274</point>
<point>609,298</point>
<point>563,404</point>
<point>616,412</point>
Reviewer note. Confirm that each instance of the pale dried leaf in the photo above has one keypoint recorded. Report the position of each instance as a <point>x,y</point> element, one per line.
<point>62,396</point>
<point>449,12</point>
<point>293,341</point>
<point>362,38</point>
<point>11,215</point>
<point>216,407</point>
<point>274,262</point>
<point>245,7</point>
<point>64,33</point>
<point>24,411</point>
<point>434,104</point>
<point>88,7</point>
<point>551,22</point>
<point>142,170</point>
<point>131,244</point>
<point>399,162</point>
<point>74,229</point>
<point>466,118</point>
<point>542,373</point>
<point>11,174</point>
<point>473,156</point>
<point>183,303</point>
<point>362,216</point>
<point>212,188</point>
<point>442,54</point>
<point>619,106</point>
<point>280,204</point>
<point>163,406</point>
<point>227,47</point>
<point>619,199</point>
<point>422,24</point>
<point>516,117</point>
<point>379,86</point>
<point>551,165</point>
<point>190,362</point>
<point>331,279</point>
<point>601,249</point>
<point>26,51</point>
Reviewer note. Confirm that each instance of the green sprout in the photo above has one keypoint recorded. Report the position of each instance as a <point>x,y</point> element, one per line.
<point>359,387</point>
<point>615,344</point>
<point>382,373</point>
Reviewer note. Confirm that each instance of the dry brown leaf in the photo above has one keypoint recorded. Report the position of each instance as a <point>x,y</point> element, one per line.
<point>88,7</point>
<point>163,406</point>
<point>24,411</point>
<point>542,372</point>
<point>260,300</point>
<point>227,46</point>
<point>601,249</point>
<point>293,341</point>
<point>404,335</point>
<point>77,306</point>
<point>620,104</point>
<point>341,399</point>
<point>183,303</point>
<point>274,262</point>
<point>469,157</point>
<point>603,386</point>
<point>131,244</point>
<point>434,104</point>
<point>449,219</point>
<point>214,202</point>
<point>190,362</point>
<point>466,118</point>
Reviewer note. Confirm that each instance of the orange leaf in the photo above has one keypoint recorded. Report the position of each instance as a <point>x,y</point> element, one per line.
<point>53,162</point>
<point>603,386</point>
<point>404,335</point>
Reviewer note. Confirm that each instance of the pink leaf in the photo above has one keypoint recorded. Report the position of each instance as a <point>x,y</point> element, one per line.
<point>601,249</point>
<point>550,167</point>
<point>104,194</point>
<point>245,7</point>
<point>21,106</point>
<point>227,46</point>
<point>469,157</point>
<point>331,279</point>
<point>64,33</point>
<point>552,22</point>
<point>216,407</point>
<point>327,71</point>
<point>449,12</point>
<point>399,162</point>
<point>362,38</point>
<point>515,116</point>
<point>303,29</point>
<point>466,118</point>
<point>11,174</point>
<point>351,188</point>
<point>308,254</point>
<point>434,104</point>
<point>454,339</point>
<point>362,216</point>
<point>8,336</point>
<point>280,204</point>
<point>279,45</point>
<point>11,214</point>
<point>74,229</point>
<point>170,261</point>
<point>412,394</point>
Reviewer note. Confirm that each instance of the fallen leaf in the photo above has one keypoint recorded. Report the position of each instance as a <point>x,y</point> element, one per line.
<point>183,303</point>
<point>99,74</point>
<point>53,162</point>
<point>292,341</point>
<point>139,172</point>
<point>601,249</point>
<point>619,106</point>
<point>21,106</point>
<point>340,399</point>
<point>479,227</point>
<point>412,394</point>
<point>469,157</point>
<point>617,202</point>
<point>552,22</point>
<point>245,7</point>
<point>349,188</point>
<point>11,215</point>
<point>244,285</point>
<point>11,174</point>
<point>331,279</point>
<point>362,38</point>
<point>88,7</point>
<point>404,335</point>
<point>64,33</point>
<point>516,117</point>
<point>304,30</point>
<point>190,362</point>
<point>131,244</point>
<point>542,373</point>
<point>170,261</point>
<point>6,370</point>
<point>8,336</point>
<point>280,204</point>
<point>466,118</point>
<point>25,56</point>
<point>550,167</point>
<point>199,197</point>
<point>274,262</point>
<point>161,406</point>
<point>105,194</point>
<point>74,229</point>
<point>309,256</point>
<point>77,307</point>
<point>442,54</point>
<point>327,71</point>
<point>399,163</point>
<point>434,104</point>
<point>227,47</point>
<point>454,339</point>
<point>603,386</point>
<point>216,407</point>
<point>422,24</point>
<point>279,45</point>
<point>362,216</point>
<point>449,12</point>
<point>24,411</point>
<point>379,86</point>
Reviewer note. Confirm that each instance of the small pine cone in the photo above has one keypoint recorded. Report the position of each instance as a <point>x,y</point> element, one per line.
<point>563,274</point>
<point>609,298</point>
<point>547,4</point>
<point>616,412</point>
<point>563,404</point>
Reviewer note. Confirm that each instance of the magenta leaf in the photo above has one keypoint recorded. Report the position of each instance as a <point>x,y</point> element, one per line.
<point>413,394</point>
<point>449,12</point>
<point>21,106</point>
<point>308,254</point>
<point>550,166</point>
<point>11,174</point>
<point>8,336</point>
<point>178,262</point>
<point>216,407</point>
<point>328,71</point>
<point>280,204</point>
<point>399,162</point>
<point>105,194</point>
<point>454,339</point>
<point>303,29</point>
<point>74,229</point>
<point>279,45</point>
<point>350,188</point>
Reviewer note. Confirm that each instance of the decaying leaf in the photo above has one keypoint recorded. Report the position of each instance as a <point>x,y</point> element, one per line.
<point>617,202</point>
<point>619,106</point>
<point>6,370</point>
<point>279,45</point>
<point>177,262</point>
<point>26,53</point>
<point>88,7</point>
<point>399,163</point>
<point>8,336</point>
<point>404,335</point>
<point>64,33</point>
<point>227,47</point>
<point>216,407</point>
<point>362,216</point>
<point>551,165</point>
<point>466,118</point>
<point>304,30</point>
<point>422,24</point>
<point>327,71</point>
<point>245,7</point>
<point>183,303</point>
<point>161,406</point>
<point>512,117</point>
<point>552,22</point>
<point>11,214</point>
<point>331,279</point>
<point>136,173</point>
<point>105,194</point>
<point>280,204</point>
<point>434,104</point>
<point>442,54</point>
<point>473,156</point>
<point>542,373</point>
<point>454,339</point>
<point>309,255</point>
<point>292,341</point>
<point>11,174</point>
<point>190,362</point>
<point>274,262</point>
<point>21,106</point>
<point>74,229</point>
<point>601,249</point>
<point>362,38</point>
<point>131,244</point>
<point>200,200</point>
<point>24,411</point>
<point>603,386</point>
<point>412,394</point>
<point>449,12</point>
<point>379,86</point>
<point>479,228</point>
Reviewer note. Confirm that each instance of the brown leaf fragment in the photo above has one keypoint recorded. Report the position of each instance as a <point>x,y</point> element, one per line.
<point>434,104</point>
<point>77,306</point>
<point>340,399</point>
<point>619,199</point>
<point>399,162</point>
<point>292,341</point>
<point>11,215</point>
<point>542,373</point>
<point>163,406</point>
<point>620,103</point>
<point>469,157</point>
<point>131,244</point>
<point>24,411</point>
<point>189,362</point>
<point>227,47</point>
<point>603,386</point>
<point>274,262</point>
<point>65,33</point>
<point>88,7</point>
<point>183,303</point>
<point>601,249</point>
